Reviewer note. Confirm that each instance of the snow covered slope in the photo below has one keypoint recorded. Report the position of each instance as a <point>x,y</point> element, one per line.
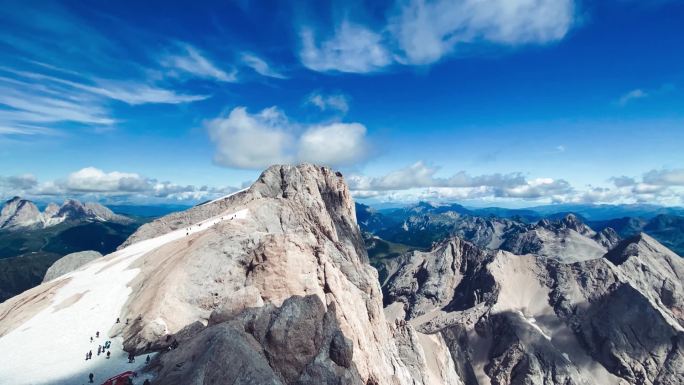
<point>50,347</point>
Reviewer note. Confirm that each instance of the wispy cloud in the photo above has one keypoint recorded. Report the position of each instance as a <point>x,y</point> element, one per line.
<point>324,102</point>
<point>190,61</point>
<point>351,48</point>
<point>631,96</point>
<point>260,66</point>
<point>417,32</point>
<point>641,93</point>
<point>31,100</point>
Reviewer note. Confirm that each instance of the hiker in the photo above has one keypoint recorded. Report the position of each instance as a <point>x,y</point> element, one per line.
<point>86,356</point>
<point>99,349</point>
<point>147,360</point>
<point>97,334</point>
<point>90,355</point>
<point>107,354</point>
<point>117,320</point>
<point>91,338</point>
<point>174,344</point>
<point>90,377</point>
<point>126,321</point>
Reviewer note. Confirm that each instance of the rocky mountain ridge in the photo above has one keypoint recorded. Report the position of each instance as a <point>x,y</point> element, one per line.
<point>18,213</point>
<point>529,319</point>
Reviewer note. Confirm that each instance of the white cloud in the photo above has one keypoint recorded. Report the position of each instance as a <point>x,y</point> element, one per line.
<point>631,96</point>
<point>325,102</point>
<point>91,179</point>
<point>244,140</point>
<point>190,61</point>
<point>260,66</point>
<point>254,141</point>
<point>352,48</point>
<point>333,144</point>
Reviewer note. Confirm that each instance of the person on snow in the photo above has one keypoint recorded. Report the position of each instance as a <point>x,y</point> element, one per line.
<point>99,349</point>
<point>117,320</point>
<point>147,360</point>
<point>91,338</point>
<point>90,377</point>
<point>86,356</point>
<point>97,334</point>
<point>108,354</point>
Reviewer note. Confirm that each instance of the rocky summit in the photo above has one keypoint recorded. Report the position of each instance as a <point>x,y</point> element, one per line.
<point>272,285</point>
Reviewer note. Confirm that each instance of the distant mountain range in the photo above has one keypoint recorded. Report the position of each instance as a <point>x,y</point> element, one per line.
<point>18,213</point>
<point>31,240</point>
<point>523,230</point>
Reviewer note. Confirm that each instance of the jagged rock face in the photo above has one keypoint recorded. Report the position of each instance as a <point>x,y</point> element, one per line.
<point>69,263</point>
<point>535,320</point>
<point>270,285</point>
<point>19,213</point>
<point>291,279</point>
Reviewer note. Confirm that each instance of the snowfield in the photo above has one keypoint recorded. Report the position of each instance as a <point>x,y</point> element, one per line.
<point>50,348</point>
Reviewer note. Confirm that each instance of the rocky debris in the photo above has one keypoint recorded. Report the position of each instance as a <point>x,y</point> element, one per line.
<point>531,319</point>
<point>69,263</point>
<point>20,213</point>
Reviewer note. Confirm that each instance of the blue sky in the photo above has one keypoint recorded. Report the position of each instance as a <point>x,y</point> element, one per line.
<point>511,103</point>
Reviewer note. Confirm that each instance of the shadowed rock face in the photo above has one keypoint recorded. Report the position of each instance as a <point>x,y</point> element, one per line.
<point>514,319</point>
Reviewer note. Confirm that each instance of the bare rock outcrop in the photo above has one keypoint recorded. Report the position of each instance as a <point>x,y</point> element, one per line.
<point>69,263</point>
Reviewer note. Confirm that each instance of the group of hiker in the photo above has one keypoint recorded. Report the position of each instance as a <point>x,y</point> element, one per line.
<point>101,349</point>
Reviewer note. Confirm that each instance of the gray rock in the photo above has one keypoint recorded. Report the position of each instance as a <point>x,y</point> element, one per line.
<point>69,263</point>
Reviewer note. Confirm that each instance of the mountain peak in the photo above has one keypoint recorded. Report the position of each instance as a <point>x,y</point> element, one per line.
<point>640,245</point>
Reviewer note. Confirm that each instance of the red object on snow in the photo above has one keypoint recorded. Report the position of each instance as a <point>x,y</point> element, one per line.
<point>119,379</point>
